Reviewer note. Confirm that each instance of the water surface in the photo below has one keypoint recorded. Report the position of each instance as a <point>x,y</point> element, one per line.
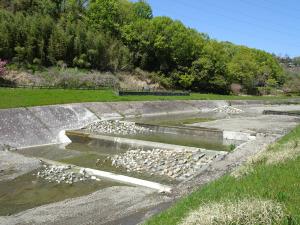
<point>28,191</point>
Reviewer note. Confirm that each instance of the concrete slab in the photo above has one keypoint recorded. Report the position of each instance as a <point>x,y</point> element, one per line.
<point>100,207</point>
<point>13,165</point>
<point>19,128</point>
<point>258,124</point>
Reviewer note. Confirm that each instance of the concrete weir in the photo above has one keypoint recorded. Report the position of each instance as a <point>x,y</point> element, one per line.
<point>132,195</point>
<point>116,177</point>
<point>130,180</point>
<point>82,136</point>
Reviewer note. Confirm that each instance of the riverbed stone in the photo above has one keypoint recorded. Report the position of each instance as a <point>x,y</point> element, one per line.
<point>62,174</point>
<point>178,165</point>
<point>116,127</point>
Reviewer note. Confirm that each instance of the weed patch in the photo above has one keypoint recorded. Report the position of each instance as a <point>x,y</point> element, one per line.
<point>242,212</point>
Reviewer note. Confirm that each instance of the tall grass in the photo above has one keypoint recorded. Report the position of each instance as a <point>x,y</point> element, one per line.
<point>241,212</point>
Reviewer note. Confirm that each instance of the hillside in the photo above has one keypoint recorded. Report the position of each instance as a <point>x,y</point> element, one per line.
<point>291,67</point>
<point>119,35</point>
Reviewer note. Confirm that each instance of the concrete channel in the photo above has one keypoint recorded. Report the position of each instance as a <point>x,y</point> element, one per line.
<point>124,178</point>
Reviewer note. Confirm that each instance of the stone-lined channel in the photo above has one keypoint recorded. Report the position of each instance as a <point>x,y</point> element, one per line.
<point>189,136</point>
<point>165,166</point>
<point>94,156</point>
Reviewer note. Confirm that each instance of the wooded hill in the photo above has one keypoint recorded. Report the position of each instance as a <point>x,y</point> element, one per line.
<point>119,35</point>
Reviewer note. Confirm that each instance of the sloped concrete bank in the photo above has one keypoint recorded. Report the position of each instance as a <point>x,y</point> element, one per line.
<point>27,127</point>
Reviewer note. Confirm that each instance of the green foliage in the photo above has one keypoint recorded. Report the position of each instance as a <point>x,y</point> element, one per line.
<point>162,44</point>
<point>58,45</point>
<point>297,61</point>
<point>210,70</point>
<point>104,15</point>
<point>292,85</point>
<point>142,10</point>
<point>123,35</point>
<point>186,80</point>
<point>243,68</point>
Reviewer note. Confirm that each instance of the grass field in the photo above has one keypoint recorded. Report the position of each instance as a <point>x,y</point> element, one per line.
<point>13,98</point>
<point>278,182</point>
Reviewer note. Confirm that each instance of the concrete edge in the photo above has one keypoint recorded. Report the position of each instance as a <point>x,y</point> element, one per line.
<point>134,142</point>
<point>116,177</point>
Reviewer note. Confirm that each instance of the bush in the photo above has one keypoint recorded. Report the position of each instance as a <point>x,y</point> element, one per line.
<point>2,67</point>
<point>236,89</point>
<point>292,85</point>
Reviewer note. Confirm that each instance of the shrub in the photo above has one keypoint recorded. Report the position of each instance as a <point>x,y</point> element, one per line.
<point>2,67</point>
<point>236,89</point>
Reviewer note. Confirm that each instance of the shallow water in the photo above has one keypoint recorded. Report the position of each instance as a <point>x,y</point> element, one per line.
<point>92,155</point>
<point>182,139</point>
<point>28,191</point>
<point>175,120</point>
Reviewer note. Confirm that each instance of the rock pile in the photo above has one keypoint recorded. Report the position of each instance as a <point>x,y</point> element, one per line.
<point>63,174</point>
<point>228,110</point>
<point>7,148</point>
<point>179,165</point>
<point>116,127</point>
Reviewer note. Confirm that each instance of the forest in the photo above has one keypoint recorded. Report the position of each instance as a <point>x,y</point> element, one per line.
<point>120,35</point>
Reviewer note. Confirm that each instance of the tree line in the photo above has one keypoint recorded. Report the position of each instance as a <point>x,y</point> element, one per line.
<point>289,61</point>
<point>119,35</point>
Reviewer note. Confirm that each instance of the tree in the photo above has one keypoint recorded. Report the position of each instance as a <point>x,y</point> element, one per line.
<point>58,45</point>
<point>243,68</point>
<point>75,9</point>
<point>104,15</point>
<point>123,35</point>
<point>6,34</point>
<point>186,80</point>
<point>210,70</point>
<point>162,44</point>
<point>296,61</point>
<point>142,10</point>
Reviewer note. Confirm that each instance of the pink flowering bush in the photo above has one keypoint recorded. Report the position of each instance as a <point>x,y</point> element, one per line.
<point>2,67</point>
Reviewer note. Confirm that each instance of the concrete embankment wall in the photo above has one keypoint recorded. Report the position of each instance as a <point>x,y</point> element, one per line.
<point>26,127</point>
<point>133,109</point>
<point>212,134</point>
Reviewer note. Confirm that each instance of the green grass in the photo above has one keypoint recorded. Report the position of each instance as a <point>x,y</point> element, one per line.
<point>277,182</point>
<point>12,98</point>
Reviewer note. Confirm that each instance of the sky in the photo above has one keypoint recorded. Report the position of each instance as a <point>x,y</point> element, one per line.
<point>271,25</point>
